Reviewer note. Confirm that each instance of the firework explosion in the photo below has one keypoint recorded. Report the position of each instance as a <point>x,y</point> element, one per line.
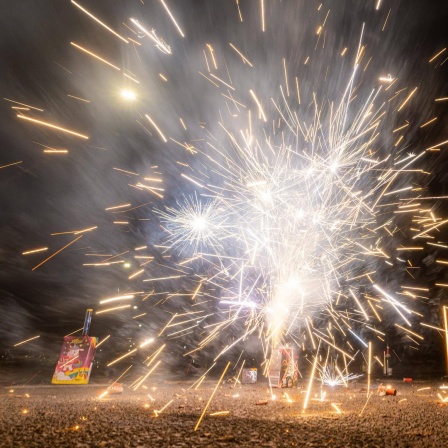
<point>291,201</point>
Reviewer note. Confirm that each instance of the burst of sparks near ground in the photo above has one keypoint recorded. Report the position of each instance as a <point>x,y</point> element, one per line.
<point>293,199</point>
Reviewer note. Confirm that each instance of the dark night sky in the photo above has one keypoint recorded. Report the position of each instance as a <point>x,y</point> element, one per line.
<point>50,193</point>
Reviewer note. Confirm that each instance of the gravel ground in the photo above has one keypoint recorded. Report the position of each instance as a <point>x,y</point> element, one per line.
<point>74,416</point>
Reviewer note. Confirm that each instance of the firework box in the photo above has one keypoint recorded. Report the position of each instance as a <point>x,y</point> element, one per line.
<point>249,376</point>
<point>75,360</point>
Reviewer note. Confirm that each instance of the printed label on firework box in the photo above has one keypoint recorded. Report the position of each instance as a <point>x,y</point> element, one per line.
<point>75,360</point>
<point>249,376</point>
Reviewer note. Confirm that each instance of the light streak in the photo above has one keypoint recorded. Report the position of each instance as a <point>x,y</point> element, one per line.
<point>407,99</point>
<point>75,232</point>
<point>172,18</point>
<point>52,126</point>
<point>114,299</point>
<point>22,104</point>
<point>359,305</point>
<point>211,397</point>
<point>368,398</point>
<point>262,15</point>
<point>27,340</point>
<point>310,383</point>
<point>260,109</point>
<point>58,251</point>
<point>108,310</point>
<point>98,21</point>
<point>160,44</point>
<point>115,207</point>
<point>445,323</point>
<point>369,367</point>
<point>385,22</point>
<point>103,340</point>
<point>157,128</point>
<point>336,408</point>
<point>121,357</point>
<point>10,164</point>
<point>78,98</point>
<point>162,278</point>
<point>409,331</point>
<point>41,249</point>
<point>245,60</point>
<point>137,273</point>
<point>145,378</point>
<point>428,122</point>
<point>104,61</point>
<point>157,412</point>
<point>218,413</point>
<point>437,55</point>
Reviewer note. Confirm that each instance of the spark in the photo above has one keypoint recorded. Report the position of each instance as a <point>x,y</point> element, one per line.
<point>409,331</point>
<point>103,340</point>
<point>310,383</point>
<point>10,164</point>
<point>368,398</point>
<point>78,98</point>
<point>131,78</point>
<point>98,21</point>
<point>445,323</point>
<point>437,55</point>
<point>27,340</point>
<point>428,122</point>
<point>115,207</point>
<point>58,128</point>
<point>108,310</point>
<point>121,357</point>
<point>33,251</point>
<point>258,104</point>
<point>58,251</point>
<point>22,104</point>
<point>336,408</point>
<point>262,15</point>
<point>385,22</point>
<point>157,128</point>
<point>162,278</point>
<point>369,368</point>
<point>172,18</point>
<point>114,299</point>
<point>75,232</point>
<point>160,44</point>
<point>94,55</point>
<point>245,60</point>
<point>407,99</point>
<point>211,397</point>
<point>137,273</point>
<point>157,412</point>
